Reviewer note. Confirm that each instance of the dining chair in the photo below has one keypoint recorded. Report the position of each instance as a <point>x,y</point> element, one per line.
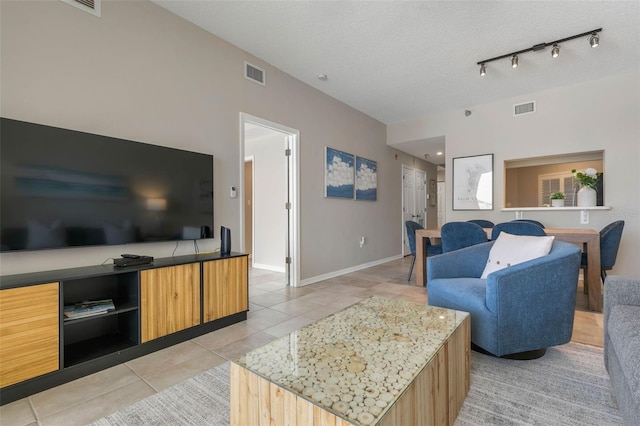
<point>432,249</point>
<point>530,221</point>
<point>517,228</point>
<point>482,222</point>
<point>457,235</point>
<point>610,237</point>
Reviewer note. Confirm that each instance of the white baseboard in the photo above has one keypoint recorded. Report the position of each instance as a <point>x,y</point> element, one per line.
<point>345,271</point>
<point>269,267</point>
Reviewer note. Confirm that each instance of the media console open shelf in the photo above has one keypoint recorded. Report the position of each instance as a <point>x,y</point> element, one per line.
<point>94,336</point>
<point>40,348</point>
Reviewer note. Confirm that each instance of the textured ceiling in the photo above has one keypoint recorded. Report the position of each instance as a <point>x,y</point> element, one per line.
<point>398,60</point>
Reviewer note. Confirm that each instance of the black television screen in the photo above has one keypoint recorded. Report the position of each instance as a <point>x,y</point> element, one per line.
<point>64,188</point>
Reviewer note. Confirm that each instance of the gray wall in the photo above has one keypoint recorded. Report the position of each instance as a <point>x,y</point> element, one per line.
<point>141,73</point>
<point>600,115</point>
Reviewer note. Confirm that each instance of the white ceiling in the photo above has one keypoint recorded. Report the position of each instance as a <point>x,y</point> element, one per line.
<point>399,60</point>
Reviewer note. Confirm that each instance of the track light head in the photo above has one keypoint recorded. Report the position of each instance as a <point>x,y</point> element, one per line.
<point>514,61</point>
<point>594,40</point>
<point>483,70</point>
<point>555,52</point>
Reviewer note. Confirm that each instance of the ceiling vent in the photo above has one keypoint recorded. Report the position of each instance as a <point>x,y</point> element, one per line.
<point>525,108</point>
<point>89,6</point>
<point>255,74</point>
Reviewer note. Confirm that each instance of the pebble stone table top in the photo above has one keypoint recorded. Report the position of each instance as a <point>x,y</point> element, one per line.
<point>358,361</point>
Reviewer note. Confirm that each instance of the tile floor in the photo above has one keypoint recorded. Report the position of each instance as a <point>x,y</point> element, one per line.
<point>275,310</point>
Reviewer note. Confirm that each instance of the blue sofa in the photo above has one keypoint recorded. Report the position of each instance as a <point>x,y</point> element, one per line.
<point>518,311</point>
<point>622,343</point>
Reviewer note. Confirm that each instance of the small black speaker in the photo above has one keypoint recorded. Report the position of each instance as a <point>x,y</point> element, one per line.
<point>225,240</point>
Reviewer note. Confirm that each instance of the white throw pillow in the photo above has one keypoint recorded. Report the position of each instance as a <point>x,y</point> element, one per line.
<point>509,250</point>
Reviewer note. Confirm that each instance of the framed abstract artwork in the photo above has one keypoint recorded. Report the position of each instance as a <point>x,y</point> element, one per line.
<point>366,179</point>
<point>473,182</point>
<point>338,174</point>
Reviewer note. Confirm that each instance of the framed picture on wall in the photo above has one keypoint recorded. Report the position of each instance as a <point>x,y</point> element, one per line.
<point>338,174</point>
<point>473,182</point>
<point>366,179</point>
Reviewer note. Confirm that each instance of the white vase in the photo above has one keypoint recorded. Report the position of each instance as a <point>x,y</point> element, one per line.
<point>557,203</point>
<point>586,197</point>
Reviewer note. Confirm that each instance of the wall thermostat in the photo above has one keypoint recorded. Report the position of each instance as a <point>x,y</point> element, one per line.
<point>232,192</point>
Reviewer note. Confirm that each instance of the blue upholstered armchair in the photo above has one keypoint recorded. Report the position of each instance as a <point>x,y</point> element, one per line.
<point>457,235</point>
<point>535,222</point>
<point>610,237</point>
<point>518,311</point>
<point>483,223</point>
<point>517,228</point>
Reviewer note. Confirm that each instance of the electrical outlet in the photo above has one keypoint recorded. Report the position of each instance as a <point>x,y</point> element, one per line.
<point>362,241</point>
<point>584,217</point>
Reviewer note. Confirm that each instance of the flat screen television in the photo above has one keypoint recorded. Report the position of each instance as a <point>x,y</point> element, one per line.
<point>65,188</point>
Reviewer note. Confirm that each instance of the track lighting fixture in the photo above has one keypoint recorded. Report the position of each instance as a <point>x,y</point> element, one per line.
<point>594,41</point>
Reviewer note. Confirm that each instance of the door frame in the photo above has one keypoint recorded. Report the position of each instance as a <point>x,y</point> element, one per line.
<point>413,200</point>
<point>402,208</point>
<point>250,159</point>
<point>293,190</point>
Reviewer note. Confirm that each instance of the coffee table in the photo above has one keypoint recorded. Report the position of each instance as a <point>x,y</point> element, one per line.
<point>379,362</point>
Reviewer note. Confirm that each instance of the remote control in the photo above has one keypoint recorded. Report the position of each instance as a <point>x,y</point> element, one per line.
<point>130,256</point>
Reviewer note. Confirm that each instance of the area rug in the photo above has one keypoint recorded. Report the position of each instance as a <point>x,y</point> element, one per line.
<point>568,386</point>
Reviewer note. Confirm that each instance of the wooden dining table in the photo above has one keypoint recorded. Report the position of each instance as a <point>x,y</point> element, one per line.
<point>588,239</point>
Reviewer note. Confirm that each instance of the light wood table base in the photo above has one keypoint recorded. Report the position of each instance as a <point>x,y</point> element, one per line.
<point>434,397</point>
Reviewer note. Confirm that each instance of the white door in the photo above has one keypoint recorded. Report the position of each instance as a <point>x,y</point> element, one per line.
<point>408,176</point>
<point>420,198</point>
<point>414,201</point>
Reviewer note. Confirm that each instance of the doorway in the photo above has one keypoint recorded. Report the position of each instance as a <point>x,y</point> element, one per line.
<point>414,201</point>
<point>269,208</point>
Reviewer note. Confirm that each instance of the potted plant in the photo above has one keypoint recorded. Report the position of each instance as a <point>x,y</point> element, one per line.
<point>557,199</point>
<point>587,196</point>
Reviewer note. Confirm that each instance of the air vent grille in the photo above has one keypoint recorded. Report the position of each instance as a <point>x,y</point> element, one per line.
<point>90,6</point>
<point>255,74</point>
<point>89,3</point>
<point>525,108</point>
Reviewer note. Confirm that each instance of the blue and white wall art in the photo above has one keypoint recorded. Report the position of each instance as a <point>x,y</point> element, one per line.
<point>338,174</point>
<point>366,179</point>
